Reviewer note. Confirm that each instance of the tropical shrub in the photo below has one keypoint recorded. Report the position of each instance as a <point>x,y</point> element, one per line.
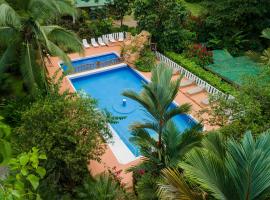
<point>165,20</point>
<point>209,77</point>
<point>103,187</point>
<point>146,187</point>
<point>235,43</point>
<point>224,169</point>
<point>229,20</point>
<point>24,176</point>
<point>200,54</point>
<point>147,61</point>
<point>249,110</point>
<point>5,146</point>
<point>69,129</point>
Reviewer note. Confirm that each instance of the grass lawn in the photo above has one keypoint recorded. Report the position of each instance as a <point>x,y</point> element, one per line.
<point>195,8</point>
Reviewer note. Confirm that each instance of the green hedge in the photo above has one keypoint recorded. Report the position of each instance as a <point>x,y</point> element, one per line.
<point>209,77</point>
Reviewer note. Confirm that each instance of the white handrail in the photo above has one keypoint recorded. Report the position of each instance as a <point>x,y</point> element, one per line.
<point>209,88</point>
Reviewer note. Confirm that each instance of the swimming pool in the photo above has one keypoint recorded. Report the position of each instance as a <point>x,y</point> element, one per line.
<point>107,87</point>
<point>91,60</point>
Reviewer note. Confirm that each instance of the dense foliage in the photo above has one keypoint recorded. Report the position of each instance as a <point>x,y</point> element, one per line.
<point>103,187</point>
<point>164,19</point>
<point>202,73</point>
<point>67,128</point>
<point>24,176</point>
<point>200,54</point>
<point>146,61</point>
<point>236,24</point>
<point>250,110</point>
<point>25,34</point>
<point>5,146</point>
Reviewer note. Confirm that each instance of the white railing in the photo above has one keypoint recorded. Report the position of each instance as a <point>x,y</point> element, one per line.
<point>209,88</point>
<point>114,35</point>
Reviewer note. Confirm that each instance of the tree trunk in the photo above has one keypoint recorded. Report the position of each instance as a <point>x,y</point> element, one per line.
<point>121,21</point>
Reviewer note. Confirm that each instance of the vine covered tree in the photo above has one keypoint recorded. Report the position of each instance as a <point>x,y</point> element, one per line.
<point>164,19</point>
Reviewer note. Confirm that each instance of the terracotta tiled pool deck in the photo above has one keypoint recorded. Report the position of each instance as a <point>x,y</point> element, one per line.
<point>108,160</point>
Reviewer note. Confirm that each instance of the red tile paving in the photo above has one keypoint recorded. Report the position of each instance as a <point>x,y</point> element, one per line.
<point>108,160</point>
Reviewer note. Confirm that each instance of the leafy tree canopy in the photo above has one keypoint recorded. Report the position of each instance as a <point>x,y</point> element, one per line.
<point>225,18</point>
<point>119,8</point>
<point>164,19</point>
<point>69,129</point>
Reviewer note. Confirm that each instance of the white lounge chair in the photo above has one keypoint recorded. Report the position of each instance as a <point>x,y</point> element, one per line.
<point>186,83</point>
<point>121,37</point>
<point>94,43</point>
<point>100,41</point>
<point>106,41</point>
<point>85,43</point>
<point>205,101</point>
<point>195,90</point>
<point>112,39</point>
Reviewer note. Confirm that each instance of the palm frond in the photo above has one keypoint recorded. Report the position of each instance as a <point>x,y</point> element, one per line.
<point>8,57</point>
<point>49,9</point>
<point>63,37</point>
<point>174,187</point>
<point>249,164</point>
<point>183,109</point>
<point>8,35</point>
<point>27,65</point>
<point>8,16</point>
<point>54,50</point>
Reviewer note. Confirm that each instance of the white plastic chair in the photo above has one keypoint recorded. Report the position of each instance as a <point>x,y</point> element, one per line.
<point>100,41</point>
<point>106,41</point>
<point>85,43</point>
<point>94,43</point>
<point>111,38</point>
<point>121,37</point>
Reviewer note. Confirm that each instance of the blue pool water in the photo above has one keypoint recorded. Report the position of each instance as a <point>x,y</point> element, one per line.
<point>107,87</point>
<point>91,60</point>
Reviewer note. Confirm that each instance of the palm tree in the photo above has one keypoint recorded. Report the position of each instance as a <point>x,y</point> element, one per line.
<point>156,97</point>
<point>225,169</point>
<point>175,145</point>
<point>102,187</point>
<point>29,40</point>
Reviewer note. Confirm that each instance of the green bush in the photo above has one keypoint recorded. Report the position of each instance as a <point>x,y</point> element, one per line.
<point>209,77</point>
<point>146,61</point>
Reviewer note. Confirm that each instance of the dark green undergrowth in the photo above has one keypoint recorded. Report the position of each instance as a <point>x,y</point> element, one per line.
<point>209,77</point>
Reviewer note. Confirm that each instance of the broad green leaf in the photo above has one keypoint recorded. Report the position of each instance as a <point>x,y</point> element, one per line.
<point>16,193</point>
<point>34,180</point>
<point>41,171</point>
<point>24,171</point>
<point>42,156</point>
<point>24,159</point>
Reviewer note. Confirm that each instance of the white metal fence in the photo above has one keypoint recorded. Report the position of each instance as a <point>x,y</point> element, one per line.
<point>209,88</point>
